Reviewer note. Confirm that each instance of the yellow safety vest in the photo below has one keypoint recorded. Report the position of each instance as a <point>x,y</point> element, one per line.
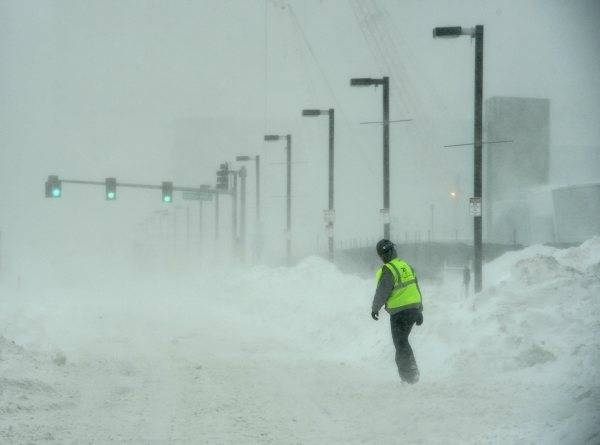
<point>405,293</point>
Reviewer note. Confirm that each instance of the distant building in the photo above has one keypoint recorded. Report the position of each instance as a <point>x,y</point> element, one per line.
<point>515,172</point>
<point>577,212</point>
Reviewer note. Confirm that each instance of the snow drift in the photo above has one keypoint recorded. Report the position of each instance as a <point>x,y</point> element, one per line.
<point>291,355</point>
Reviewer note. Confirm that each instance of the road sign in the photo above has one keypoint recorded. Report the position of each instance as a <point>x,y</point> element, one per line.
<point>329,229</point>
<point>475,206</point>
<point>384,215</point>
<point>329,216</point>
<point>197,196</point>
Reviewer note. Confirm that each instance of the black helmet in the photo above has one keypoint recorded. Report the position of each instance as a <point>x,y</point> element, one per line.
<point>386,250</point>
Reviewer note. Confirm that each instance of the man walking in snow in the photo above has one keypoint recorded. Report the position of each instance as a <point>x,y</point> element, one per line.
<point>398,290</point>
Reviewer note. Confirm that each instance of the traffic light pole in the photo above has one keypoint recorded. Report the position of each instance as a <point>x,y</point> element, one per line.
<point>138,186</point>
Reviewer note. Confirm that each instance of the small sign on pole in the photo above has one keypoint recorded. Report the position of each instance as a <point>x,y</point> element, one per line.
<point>384,215</point>
<point>475,206</point>
<point>329,230</point>
<point>329,216</point>
<point>198,195</point>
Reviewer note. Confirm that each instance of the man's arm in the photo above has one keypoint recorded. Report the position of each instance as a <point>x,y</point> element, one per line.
<point>384,289</point>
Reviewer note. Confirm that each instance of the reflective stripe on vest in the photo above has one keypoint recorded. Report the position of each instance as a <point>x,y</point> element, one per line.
<point>406,291</point>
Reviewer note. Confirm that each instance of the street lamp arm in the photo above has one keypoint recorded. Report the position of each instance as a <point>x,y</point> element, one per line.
<point>365,81</point>
<point>311,112</point>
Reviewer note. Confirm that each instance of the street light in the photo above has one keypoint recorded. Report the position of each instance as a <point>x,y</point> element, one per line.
<point>385,81</point>
<point>288,149</point>
<point>242,174</point>
<point>477,33</point>
<point>330,215</point>
<point>258,228</point>
<point>256,158</point>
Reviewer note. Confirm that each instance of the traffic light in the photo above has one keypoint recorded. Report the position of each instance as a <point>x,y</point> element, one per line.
<point>53,187</point>
<point>167,191</point>
<point>223,177</point>
<point>111,189</point>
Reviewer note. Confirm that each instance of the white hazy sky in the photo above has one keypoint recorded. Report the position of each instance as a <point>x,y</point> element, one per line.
<point>148,91</point>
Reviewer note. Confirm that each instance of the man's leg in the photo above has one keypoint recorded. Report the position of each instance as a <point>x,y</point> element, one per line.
<point>402,323</point>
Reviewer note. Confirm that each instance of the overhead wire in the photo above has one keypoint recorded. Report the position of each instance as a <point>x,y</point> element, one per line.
<point>337,103</point>
<point>370,23</point>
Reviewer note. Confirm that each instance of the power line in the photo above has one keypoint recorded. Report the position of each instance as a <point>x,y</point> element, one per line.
<point>324,76</point>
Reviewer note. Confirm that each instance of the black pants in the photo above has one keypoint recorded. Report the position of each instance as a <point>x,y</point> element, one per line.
<point>402,323</point>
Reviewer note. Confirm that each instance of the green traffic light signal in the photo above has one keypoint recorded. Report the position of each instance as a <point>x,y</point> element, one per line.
<point>167,191</point>
<point>111,189</point>
<point>53,187</point>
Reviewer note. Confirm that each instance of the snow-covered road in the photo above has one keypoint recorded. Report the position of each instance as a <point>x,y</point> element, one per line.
<point>291,356</point>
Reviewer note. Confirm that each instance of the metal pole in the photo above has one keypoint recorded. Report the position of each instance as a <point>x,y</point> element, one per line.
<point>257,188</point>
<point>431,207</point>
<point>331,170</point>
<point>289,200</point>
<point>477,156</point>
<point>242,174</point>
<point>200,208</point>
<point>216,215</point>
<point>234,210</point>
<point>175,232</point>
<point>187,230</point>
<point>386,153</point>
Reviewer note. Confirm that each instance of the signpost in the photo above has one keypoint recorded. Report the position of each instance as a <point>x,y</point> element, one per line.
<point>197,195</point>
<point>384,215</point>
<point>475,206</point>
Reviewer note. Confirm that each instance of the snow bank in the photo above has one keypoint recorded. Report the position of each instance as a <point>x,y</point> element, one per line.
<point>294,350</point>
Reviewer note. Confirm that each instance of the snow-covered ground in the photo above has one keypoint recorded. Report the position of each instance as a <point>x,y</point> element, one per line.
<point>292,356</point>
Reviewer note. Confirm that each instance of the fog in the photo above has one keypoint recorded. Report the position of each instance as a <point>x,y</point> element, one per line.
<point>148,91</point>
